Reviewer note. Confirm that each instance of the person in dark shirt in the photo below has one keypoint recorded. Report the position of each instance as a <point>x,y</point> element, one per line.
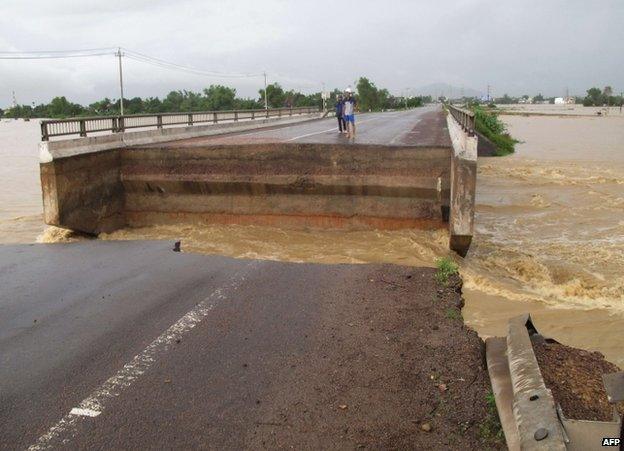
<point>342,126</point>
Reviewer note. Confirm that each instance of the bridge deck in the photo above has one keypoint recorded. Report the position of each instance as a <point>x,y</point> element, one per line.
<point>419,127</point>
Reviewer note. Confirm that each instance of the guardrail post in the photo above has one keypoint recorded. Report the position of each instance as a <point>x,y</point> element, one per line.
<point>235,116</point>
<point>83,128</point>
<point>122,125</point>
<point>44,132</point>
<point>279,112</point>
<point>290,112</point>
<point>190,119</point>
<point>159,121</point>
<point>214,117</point>
<point>113,124</point>
<point>253,114</point>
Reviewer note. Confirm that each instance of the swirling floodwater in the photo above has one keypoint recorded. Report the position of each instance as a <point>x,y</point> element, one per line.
<point>549,229</point>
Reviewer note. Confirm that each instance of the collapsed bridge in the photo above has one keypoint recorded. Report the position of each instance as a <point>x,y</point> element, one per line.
<point>287,167</point>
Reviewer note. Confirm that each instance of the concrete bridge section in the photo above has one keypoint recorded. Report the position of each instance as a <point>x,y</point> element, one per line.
<point>411,168</point>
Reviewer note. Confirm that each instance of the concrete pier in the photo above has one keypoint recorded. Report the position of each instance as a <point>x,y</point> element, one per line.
<point>407,169</point>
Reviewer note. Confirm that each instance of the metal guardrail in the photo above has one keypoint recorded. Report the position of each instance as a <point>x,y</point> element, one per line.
<point>465,118</point>
<point>116,124</point>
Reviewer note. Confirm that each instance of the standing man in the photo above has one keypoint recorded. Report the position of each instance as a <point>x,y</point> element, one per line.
<point>348,112</point>
<point>342,126</point>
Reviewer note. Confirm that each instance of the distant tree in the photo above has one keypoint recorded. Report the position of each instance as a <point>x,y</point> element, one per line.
<point>134,105</point>
<point>538,98</point>
<point>152,105</point>
<point>294,99</point>
<point>368,95</point>
<point>215,97</point>
<point>219,97</point>
<point>594,97</point>
<point>505,100</point>
<point>104,107</point>
<point>60,107</point>
<point>415,102</point>
<point>191,101</point>
<point>608,91</point>
<point>248,104</point>
<point>276,97</point>
<point>173,101</point>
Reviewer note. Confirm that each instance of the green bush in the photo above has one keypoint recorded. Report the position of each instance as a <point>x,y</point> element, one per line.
<point>445,269</point>
<point>492,128</point>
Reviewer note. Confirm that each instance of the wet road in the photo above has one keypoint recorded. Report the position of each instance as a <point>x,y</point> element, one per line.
<point>129,345</point>
<point>424,126</point>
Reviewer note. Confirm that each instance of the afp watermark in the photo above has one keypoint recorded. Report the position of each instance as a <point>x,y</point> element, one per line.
<point>611,441</point>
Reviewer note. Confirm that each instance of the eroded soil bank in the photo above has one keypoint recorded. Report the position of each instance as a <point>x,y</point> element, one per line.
<point>575,378</point>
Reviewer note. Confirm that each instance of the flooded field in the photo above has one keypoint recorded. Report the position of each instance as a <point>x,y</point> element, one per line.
<point>550,229</point>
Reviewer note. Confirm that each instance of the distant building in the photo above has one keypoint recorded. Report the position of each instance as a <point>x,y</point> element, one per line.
<point>569,100</point>
<point>559,101</point>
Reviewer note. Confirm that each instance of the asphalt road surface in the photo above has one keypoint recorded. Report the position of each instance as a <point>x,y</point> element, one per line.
<point>129,345</point>
<point>424,126</point>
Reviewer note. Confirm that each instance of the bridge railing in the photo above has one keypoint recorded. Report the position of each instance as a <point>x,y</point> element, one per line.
<point>464,117</point>
<point>82,126</point>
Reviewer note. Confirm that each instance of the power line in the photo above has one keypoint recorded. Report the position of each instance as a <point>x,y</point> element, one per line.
<point>131,54</point>
<point>51,56</point>
<point>56,51</point>
<point>174,66</point>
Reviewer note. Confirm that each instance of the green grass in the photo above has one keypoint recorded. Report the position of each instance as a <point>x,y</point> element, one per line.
<point>490,430</point>
<point>452,313</point>
<point>445,269</point>
<point>489,125</point>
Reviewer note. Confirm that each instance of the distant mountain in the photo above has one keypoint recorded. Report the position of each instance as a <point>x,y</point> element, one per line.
<point>437,89</point>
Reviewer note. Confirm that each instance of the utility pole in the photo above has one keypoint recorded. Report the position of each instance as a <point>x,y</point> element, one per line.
<point>266,102</point>
<point>488,93</point>
<point>14,100</point>
<point>323,95</point>
<point>121,100</point>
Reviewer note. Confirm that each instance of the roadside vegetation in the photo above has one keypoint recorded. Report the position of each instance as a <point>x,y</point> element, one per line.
<point>490,429</point>
<point>445,269</point>
<point>214,98</point>
<point>489,125</point>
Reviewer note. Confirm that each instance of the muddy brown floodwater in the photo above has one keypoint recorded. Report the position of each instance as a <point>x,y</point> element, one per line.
<point>549,237</point>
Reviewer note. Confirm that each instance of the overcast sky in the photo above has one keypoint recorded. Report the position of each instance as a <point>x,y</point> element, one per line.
<point>517,46</point>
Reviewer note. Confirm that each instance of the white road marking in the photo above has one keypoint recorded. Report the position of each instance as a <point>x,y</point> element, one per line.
<point>94,404</point>
<point>84,412</point>
<point>333,129</point>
